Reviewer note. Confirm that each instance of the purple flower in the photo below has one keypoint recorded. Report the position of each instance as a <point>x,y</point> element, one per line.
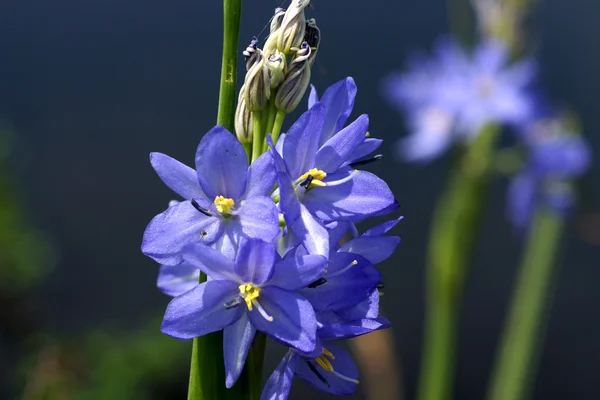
<point>224,199</point>
<point>329,368</point>
<point>256,291</point>
<point>452,96</point>
<point>556,157</point>
<point>174,280</point>
<point>316,182</point>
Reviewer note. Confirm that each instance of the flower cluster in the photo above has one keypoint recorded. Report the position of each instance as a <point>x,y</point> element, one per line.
<point>268,234</point>
<point>452,96</point>
<point>556,156</point>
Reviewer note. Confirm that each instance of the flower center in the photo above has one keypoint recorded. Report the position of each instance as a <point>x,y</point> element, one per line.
<point>323,361</point>
<point>485,87</point>
<point>312,178</point>
<point>250,294</point>
<point>224,204</point>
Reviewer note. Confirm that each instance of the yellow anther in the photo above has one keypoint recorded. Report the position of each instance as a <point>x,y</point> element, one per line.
<point>249,293</point>
<point>328,353</point>
<point>324,363</point>
<point>224,204</point>
<point>317,175</point>
<point>368,134</point>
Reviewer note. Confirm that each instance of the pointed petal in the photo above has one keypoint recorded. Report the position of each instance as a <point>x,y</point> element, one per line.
<point>237,339</point>
<point>180,178</point>
<point>348,330</point>
<point>294,322</point>
<point>343,289</point>
<point>261,176</point>
<point>210,261</point>
<point>365,148</point>
<point>174,280</point>
<point>280,382</point>
<point>221,164</point>
<point>171,230</point>
<point>302,141</point>
<point>312,233</point>
<point>363,196</point>
<point>368,308</point>
<point>374,248</point>
<point>259,218</point>
<point>255,260</point>
<point>342,364</point>
<point>382,228</point>
<point>313,97</point>
<point>297,272</point>
<point>337,150</point>
<point>201,310</point>
<point>338,100</point>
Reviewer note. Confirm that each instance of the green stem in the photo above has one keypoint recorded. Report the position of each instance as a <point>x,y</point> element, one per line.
<point>258,136</point>
<point>519,343</point>
<point>453,232</point>
<point>277,125</point>
<point>231,32</point>
<point>207,371</point>
<point>271,113</point>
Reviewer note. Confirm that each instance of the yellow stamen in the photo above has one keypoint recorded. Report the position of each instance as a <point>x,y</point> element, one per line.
<point>249,293</point>
<point>328,353</point>
<point>368,134</point>
<point>318,176</point>
<point>324,363</point>
<point>224,204</point>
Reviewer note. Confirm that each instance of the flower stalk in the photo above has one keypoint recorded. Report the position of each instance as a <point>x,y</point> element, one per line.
<point>513,370</point>
<point>456,219</point>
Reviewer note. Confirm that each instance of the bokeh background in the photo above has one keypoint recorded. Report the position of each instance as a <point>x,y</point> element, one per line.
<point>89,89</point>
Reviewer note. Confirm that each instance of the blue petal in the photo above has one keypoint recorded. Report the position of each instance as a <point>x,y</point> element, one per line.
<point>171,230</point>
<point>338,100</point>
<point>302,141</point>
<point>366,148</point>
<point>210,261</point>
<point>297,272</point>
<point>201,310</point>
<point>237,339</point>
<point>343,289</point>
<point>255,260</point>
<point>294,322</point>
<point>368,308</point>
<point>342,364</point>
<point>337,150</point>
<point>259,218</point>
<point>174,280</point>
<point>280,382</point>
<point>313,97</point>
<point>311,233</point>
<point>261,176</point>
<point>221,164</point>
<point>348,330</point>
<point>374,248</point>
<point>382,228</point>
<point>180,178</point>
<point>364,195</point>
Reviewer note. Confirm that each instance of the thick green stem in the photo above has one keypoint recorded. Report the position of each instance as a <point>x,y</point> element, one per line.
<point>271,113</point>
<point>277,125</point>
<point>231,32</point>
<point>520,340</point>
<point>453,232</point>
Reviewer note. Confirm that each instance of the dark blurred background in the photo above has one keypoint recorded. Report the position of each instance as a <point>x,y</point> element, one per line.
<point>89,89</point>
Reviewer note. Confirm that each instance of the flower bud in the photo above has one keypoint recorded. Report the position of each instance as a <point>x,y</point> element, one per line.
<point>296,81</point>
<point>243,119</point>
<point>277,19</point>
<point>251,54</point>
<point>276,66</point>
<point>293,26</point>
<point>312,36</point>
<point>258,86</point>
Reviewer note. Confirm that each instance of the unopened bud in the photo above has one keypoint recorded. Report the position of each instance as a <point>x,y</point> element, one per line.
<point>296,81</point>
<point>276,66</point>
<point>312,36</point>
<point>251,54</point>
<point>243,119</point>
<point>277,19</point>
<point>293,26</point>
<point>258,86</point>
